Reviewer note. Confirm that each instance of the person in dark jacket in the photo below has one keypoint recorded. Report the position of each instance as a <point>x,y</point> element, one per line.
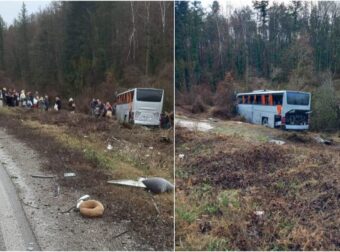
<point>46,103</point>
<point>57,105</point>
<point>93,105</point>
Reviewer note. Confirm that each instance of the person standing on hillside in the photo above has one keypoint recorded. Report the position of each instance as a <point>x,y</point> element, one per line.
<point>57,105</point>
<point>46,103</point>
<point>108,110</point>
<point>22,98</point>
<point>1,98</point>
<point>93,105</point>
<point>71,105</point>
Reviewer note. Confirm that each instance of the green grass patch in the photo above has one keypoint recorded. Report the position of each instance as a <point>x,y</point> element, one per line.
<point>229,197</point>
<point>186,215</point>
<point>218,244</point>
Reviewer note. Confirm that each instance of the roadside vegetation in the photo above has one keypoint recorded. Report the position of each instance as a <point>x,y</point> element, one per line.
<point>234,189</point>
<point>79,143</point>
<point>236,192</point>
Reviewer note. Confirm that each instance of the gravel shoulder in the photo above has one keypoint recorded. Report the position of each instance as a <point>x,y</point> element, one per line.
<point>56,230</point>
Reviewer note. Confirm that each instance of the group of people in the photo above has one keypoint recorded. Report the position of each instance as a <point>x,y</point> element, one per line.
<point>99,109</point>
<point>13,98</point>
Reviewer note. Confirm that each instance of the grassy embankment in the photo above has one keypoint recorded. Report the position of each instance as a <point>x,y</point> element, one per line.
<point>235,191</point>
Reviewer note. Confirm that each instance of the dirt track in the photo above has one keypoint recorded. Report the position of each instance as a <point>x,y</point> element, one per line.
<point>127,210</point>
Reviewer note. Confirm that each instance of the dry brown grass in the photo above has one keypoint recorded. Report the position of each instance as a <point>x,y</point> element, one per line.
<point>224,179</point>
<point>77,142</point>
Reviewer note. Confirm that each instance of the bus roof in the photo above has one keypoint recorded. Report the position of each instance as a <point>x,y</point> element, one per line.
<point>270,92</point>
<point>131,89</point>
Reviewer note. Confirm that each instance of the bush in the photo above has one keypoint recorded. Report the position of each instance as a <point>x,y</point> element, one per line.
<point>225,100</point>
<point>325,108</point>
<point>222,112</point>
<point>198,106</point>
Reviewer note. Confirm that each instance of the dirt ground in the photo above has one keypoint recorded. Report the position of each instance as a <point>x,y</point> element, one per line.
<point>237,191</point>
<point>137,151</point>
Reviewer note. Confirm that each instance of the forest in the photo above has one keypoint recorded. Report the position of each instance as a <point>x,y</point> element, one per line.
<point>81,49</point>
<point>292,45</point>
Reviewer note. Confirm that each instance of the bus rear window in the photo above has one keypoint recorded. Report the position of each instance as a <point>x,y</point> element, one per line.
<point>149,95</point>
<point>295,98</point>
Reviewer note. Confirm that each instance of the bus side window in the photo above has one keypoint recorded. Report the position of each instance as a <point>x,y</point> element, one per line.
<point>271,103</point>
<point>243,99</point>
<point>263,100</point>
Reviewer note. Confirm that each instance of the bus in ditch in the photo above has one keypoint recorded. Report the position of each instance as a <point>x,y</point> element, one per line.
<point>140,106</point>
<point>286,109</point>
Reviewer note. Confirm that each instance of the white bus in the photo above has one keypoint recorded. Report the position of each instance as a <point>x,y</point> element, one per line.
<point>140,106</point>
<point>286,109</point>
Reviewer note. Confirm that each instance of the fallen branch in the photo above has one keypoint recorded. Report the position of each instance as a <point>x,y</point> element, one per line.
<point>29,205</point>
<point>116,236</point>
<point>155,204</point>
<point>68,210</point>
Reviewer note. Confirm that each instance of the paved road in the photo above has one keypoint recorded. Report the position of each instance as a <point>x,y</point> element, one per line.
<point>15,231</point>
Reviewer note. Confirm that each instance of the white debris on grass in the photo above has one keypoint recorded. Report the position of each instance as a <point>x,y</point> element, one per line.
<point>259,213</point>
<point>181,156</point>
<point>109,147</point>
<point>128,182</point>
<point>69,174</point>
<point>278,142</point>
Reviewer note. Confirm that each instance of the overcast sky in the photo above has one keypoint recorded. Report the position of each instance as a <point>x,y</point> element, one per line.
<point>9,10</point>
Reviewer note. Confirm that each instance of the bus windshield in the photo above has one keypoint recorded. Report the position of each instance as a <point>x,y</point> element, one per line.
<point>296,98</point>
<point>149,95</point>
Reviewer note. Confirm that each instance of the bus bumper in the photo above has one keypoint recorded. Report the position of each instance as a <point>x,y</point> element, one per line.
<point>148,123</point>
<point>297,127</point>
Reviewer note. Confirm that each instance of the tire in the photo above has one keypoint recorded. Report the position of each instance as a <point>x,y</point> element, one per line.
<point>91,208</point>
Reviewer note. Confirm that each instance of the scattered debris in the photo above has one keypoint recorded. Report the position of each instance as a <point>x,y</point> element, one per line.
<point>68,210</point>
<point>181,156</point>
<point>82,199</point>
<point>120,234</point>
<point>158,185</point>
<point>155,185</point>
<point>69,174</point>
<point>259,213</point>
<point>155,205</point>
<point>109,147</point>
<point>165,139</point>
<point>150,148</point>
<point>278,142</point>
<point>85,136</point>
<point>127,182</point>
<point>43,176</point>
<point>56,190</point>
<point>321,140</point>
<point>27,204</point>
<point>30,247</point>
<point>91,208</point>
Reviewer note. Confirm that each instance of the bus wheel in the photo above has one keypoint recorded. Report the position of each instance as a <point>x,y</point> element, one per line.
<point>265,121</point>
